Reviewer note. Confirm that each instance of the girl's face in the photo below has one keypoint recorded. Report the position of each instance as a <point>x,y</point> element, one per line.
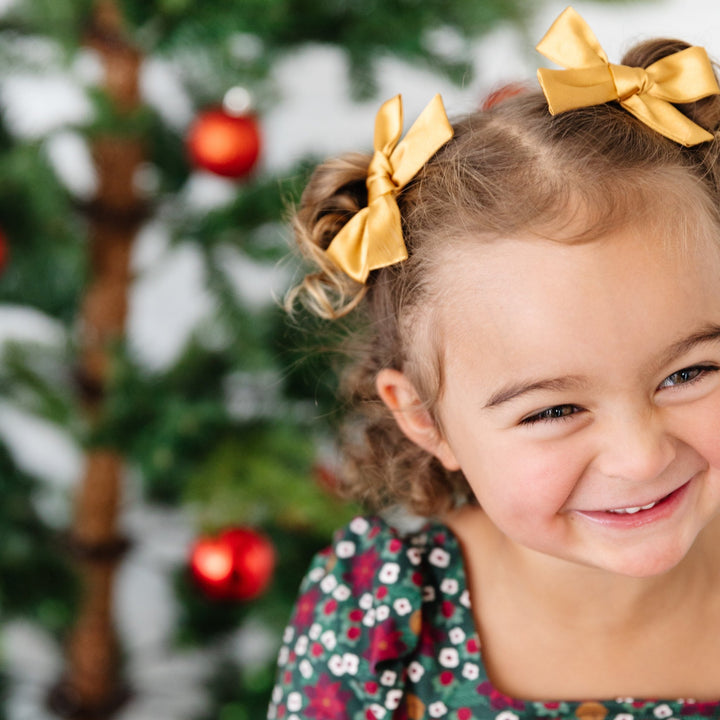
<point>582,394</point>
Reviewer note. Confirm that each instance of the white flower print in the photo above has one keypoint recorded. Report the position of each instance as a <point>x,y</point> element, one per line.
<point>415,671</point>
<point>316,574</point>
<point>465,598</point>
<point>359,525</point>
<point>293,717</point>
<point>506,715</point>
<point>402,606</point>
<point>283,655</point>
<point>388,677</point>
<point>428,593</point>
<point>366,601</point>
<point>294,701</point>
<point>345,549</point>
<point>449,586</point>
<point>305,668</point>
<point>377,710</point>
<point>662,711</point>
<point>328,583</point>
<point>439,558</point>
<point>470,671</point>
<point>456,635</point>
<point>389,573</point>
<point>351,663</point>
<point>449,658</point>
<point>277,694</point>
<point>392,701</point>
<point>301,645</point>
<point>288,634</point>
<point>382,613</point>
<point>314,631</point>
<point>272,712</point>
<point>341,593</point>
<point>624,716</point>
<point>369,619</point>
<point>414,556</point>
<point>328,639</point>
<point>336,665</point>
<point>437,709</point>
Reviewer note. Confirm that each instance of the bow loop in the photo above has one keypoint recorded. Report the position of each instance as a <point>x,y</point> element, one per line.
<point>373,237</point>
<point>647,93</point>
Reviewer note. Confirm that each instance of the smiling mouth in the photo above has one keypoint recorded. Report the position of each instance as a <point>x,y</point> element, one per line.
<point>633,510</point>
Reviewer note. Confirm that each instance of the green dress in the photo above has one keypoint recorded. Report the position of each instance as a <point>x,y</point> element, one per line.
<point>383,629</point>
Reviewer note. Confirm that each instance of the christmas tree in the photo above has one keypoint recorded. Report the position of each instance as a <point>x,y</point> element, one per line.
<point>195,465</point>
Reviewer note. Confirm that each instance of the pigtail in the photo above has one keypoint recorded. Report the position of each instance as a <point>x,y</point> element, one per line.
<point>335,192</point>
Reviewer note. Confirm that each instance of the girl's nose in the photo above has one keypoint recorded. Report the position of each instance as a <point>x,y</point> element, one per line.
<point>636,449</point>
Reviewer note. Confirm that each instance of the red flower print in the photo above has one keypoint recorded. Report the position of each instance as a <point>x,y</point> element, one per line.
<point>700,708</point>
<point>327,700</point>
<point>330,606</point>
<point>381,592</point>
<point>429,638</point>
<point>417,578</point>
<point>353,633</point>
<point>356,615</point>
<point>371,687</point>
<point>472,645</point>
<point>317,650</point>
<point>305,609</point>
<point>446,677</point>
<point>448,609</point>
<point>464,713</point>
<point>385,643</point>
<point>363,570</point>
<point>498,701</point>
<point>394,545</point>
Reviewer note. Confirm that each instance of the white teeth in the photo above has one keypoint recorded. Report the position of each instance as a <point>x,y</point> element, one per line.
<point>633,510</point>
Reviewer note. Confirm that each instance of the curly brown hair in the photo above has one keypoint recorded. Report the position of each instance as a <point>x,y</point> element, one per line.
<point>512,169</point>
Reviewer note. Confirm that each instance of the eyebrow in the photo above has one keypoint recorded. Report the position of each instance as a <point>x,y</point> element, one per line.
<point>708,333</point>
<point>510,392</point>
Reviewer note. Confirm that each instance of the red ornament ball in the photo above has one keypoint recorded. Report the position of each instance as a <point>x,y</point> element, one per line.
<point>238,564</point>
<point>4,250</point>
<point>223,143</point>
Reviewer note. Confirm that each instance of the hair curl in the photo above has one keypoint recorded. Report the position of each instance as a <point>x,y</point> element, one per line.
<point>508,170</point>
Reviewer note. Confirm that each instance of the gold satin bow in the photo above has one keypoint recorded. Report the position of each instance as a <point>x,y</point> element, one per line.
<point>647,93</point>
<point>372,238</point>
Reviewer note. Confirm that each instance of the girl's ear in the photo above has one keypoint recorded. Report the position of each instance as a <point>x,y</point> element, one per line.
<point>411,415</point>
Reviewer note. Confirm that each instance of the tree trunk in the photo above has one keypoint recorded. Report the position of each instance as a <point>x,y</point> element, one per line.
<point>92,686</point>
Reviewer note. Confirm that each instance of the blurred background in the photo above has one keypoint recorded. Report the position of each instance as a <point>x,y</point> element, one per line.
<point>167,436</point>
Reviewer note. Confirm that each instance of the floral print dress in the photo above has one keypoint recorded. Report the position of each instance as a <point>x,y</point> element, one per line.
<point>383,630</point>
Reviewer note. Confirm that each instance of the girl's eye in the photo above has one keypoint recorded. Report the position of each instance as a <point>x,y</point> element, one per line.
<point>558,412</point>
<point>687,376</point>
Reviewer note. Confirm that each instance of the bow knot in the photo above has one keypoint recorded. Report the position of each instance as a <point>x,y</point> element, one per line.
<point>379,178</point>
<point>647,93</point>
<point>372,238</point>
<point>630,81</point>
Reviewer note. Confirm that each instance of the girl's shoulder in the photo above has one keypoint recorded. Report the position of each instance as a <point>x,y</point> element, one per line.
<point>359,617</point>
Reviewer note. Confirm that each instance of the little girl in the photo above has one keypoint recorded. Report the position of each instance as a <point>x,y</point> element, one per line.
<point>539,290</point>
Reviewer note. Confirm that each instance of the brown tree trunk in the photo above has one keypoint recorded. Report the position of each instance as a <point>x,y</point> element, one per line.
<point>92,686</point>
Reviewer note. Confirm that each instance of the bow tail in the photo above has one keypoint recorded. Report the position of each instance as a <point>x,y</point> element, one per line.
<point>349,248</point>
<point>666,119</point>
<point>384,229</point>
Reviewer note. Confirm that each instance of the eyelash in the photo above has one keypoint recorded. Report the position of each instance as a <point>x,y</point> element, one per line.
<point>559,413</point>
